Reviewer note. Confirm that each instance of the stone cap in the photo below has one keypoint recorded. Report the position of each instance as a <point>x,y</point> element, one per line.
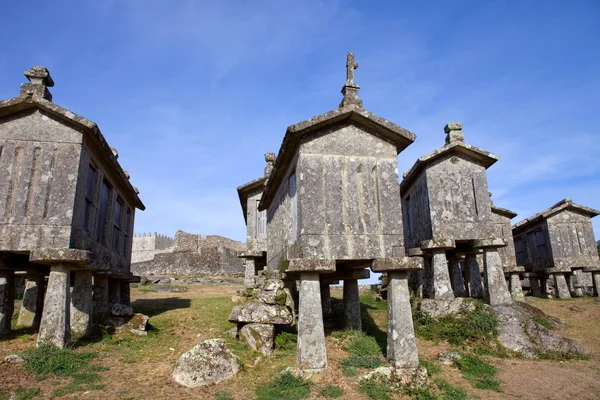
<point>592,269</point>
<point>414,252</point>
<point>251,254</point>
<point>489,242</point>
<point>310,265</point>
<point>514,269</point>
<point>558,270</point>
<point>38,75</point>
<point>438,244</point>
<point>397,264</point>
<point>58,256</point>
<point>350,274</point>
<point>453,131</point>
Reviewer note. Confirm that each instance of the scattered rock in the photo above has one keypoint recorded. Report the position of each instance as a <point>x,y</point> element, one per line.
<point>261,313</point>
<point>259,337</point>
<point>136,324</point>
<point>238,299</point>
<point>448,357</point>
<point>233,333</point>
<point>121,310</point>
<point>273,292</point>
<point>440,308</point>
<point>169,288</point>
<point>576,309</point>
<point>399,378</point>
<point>206,363</point>
<point>301,373</point>
<point>13,359</point>
<point>517,331</point>
<point>143,280</point>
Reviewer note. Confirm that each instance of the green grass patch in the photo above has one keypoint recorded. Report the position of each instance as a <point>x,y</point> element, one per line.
<point>451,392</point>
<point>430,366</point>
<point>369,301</point>
<point>285,386</point>
<point>560,356</point>
<point>420,393</point>
<point>26,393</point>
<point>331,392</point>
<point>362,362</point>
<point>375,390</point>
<point>364,350</point>
<point>476,326</point>
<point>349,371</point>
<point>286,341</point>
<point>222,395</point>
<point>478,372</point>
<point>543,321</point>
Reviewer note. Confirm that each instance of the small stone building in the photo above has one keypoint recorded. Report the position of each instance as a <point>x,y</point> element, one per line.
<point>66,212</point>
<point>559,242</point>
<point>448,215</point>
<point>190,254</point>
<point>333,209</point>
<point>255,255</point>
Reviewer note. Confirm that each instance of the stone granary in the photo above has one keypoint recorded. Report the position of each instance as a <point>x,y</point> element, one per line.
<point>333,209</point>
<point>189,254</point>
<point>448,215</point>
<point>559,242</point>
<point>66,211</point>
<point>255,255</point>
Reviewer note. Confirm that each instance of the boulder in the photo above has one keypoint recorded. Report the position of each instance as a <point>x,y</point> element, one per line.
<point>121,310</point>
<point>518,331</point>
<point>440,308</point>
<point>261,314</point>
<point>399,378</point>
<point>206,363</point>
<point>13,359</point>
<point>259,337</point>
<point>136,324</point>
<point>448,357</point>
<point>273,292</point>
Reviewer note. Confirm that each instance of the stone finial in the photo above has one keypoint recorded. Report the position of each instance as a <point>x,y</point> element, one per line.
<point>39,82</point>
<point>453,132</point>
<point>350,89</point>
<point>270,159</point>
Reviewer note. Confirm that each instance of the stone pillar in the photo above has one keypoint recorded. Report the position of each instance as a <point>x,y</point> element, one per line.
<point>472,263</point>
<point>55,326</point>
<point>561,286</point>
<point>577,284</point>
<point>81,304</point>
<point>534,283</point>
<point>33,302</point>
<point>458,282</point>
<point>249,273</point>
<point>114,291</point>
<point>569,279</point>
<point>596,281</point>
<point>352,305</point>
<point>312,353</point>
<point>7,300</point>
<point>516,290</point>
<point>427,277</point>
<point>326,299</point>
<point>544,286</point>
<point>100,297</point>
<point>401,343</point>
<point>442,289</point>
<point>125,292</point>
<point>496,291</point>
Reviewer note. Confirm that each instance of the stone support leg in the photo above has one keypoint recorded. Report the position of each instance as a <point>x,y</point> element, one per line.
<point>596,282</point>
<point>326,299</point>
<point>561,286</point>
<point>427,277</point>
<point>7,300</point>
<point>352,305</point>
<point>516,290</point>
<point>249,273</point>
<point>100,297</point>
<point>534,284</point>
<point>125,293</point>
<point>401,343</point>
<point>472,264</point>
<point>496,291</point>
<point>114,291</point>
<point>311,334</point>
<point>544,286</point>
<point>569,278</point>
<point>33,302</point>
<point>81,304</point>
<point>458,282</point>
<point>442,288</point>
<point>55,327</point>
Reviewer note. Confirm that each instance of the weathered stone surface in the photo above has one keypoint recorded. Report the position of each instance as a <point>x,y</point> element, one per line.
<point>259,337</point>
<point>312,353</point>
<point>272,292</point>
<point>13,359</point>
<point>560,286</point>
<point>496,291</point>
<point>6,300</point>
<point>352,319</point>
<point>401,343</point>
<point>439,308</point>
<point>474,264</point>
<point>100,297</point>
<point>33,301</point>
<point>458,282</point>
<point>81,304</point>
<point>516,290</point>
<point>55,326</point>
<point>261,313</point>
<point>517,331</point>
<point>207,363</point>
<point>448,357</point>
<point>121,310</point>
<point>399,378</point>
<point>136,324</point>
<point>326,299</point>
<point>442,288</point>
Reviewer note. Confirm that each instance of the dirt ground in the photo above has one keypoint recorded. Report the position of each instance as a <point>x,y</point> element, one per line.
<point>140,367</point>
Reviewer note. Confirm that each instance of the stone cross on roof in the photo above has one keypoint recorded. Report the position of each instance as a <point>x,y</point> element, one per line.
<point>351,65</point>
<point>350,89</point>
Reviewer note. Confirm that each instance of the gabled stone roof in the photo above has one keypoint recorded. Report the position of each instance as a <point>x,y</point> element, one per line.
<point>565,204</point>
<point>246,188</point>
<point>503,211</point>
<point>27,101</point>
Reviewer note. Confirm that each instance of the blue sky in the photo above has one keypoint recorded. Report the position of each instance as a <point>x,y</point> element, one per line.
<point>192,93</point>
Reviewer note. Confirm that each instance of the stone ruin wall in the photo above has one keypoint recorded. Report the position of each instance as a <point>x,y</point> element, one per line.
<point>190,254</point>
<point>146,246</point>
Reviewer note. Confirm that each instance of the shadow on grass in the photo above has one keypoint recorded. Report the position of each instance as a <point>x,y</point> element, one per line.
<point>153,307</point>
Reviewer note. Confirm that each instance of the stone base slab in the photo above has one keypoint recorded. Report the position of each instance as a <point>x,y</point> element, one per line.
<point>397,264</point>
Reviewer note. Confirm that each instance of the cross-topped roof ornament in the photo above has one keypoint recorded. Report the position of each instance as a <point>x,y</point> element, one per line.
<point>350,89</point>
